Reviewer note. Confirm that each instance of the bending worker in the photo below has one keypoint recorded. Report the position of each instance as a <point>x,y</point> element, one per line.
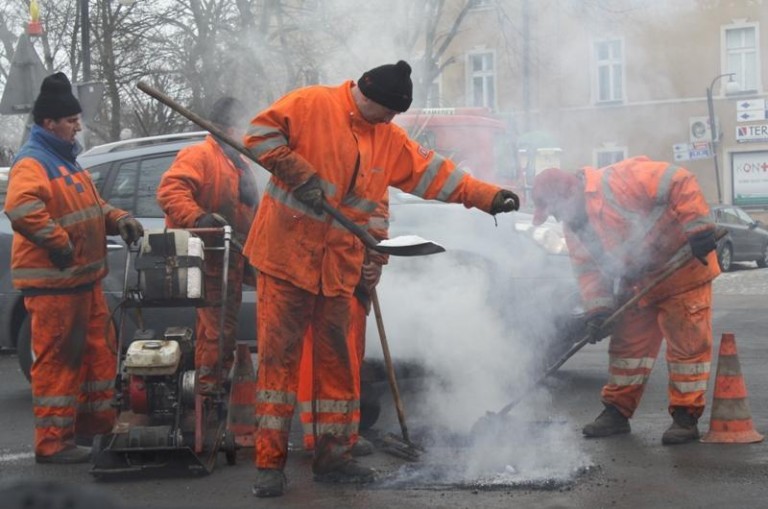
<point>336,144</point>
<point>623,225</point>
<point>209,185</point>
<point>59,257</point>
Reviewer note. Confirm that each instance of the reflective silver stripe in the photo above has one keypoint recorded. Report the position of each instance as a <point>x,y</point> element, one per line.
<point>107,208</point>
<point>242,414</point>
<point>25,209</point>
<point>627,380</point>
<point>54,273</point>
<point>599,302</point>
<point>731,410</point>
<point>693,368</point>
<point>378,223</point>
<point>264,146</point>
<point>451,184</point>
<point>79,216</point>
<point>288,199</point>
<point>697,224</point>
<point>43,234</point>
<point>632,362</point>
<point>336,406</point>
<point>361,204</point>
<point>308,428</point>
<point>54,401</point>
<point>728,365</point>
<point>273,422</point>
<point>429,175</point>
<point>54,422</point>
<point>336,429</point>
<point>305,406</point>
<point>98,385</point>
<point>685,387</point>
<point>90,407</point>
<point>261,130</point>
<point>279,397</point>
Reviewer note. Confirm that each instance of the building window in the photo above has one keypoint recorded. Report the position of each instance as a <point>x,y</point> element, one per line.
<point>609,70</point>
<point>608,156</point>
<point>741,44</point>
<point>482,80</point>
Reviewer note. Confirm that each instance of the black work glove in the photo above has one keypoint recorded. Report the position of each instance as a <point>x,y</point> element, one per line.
<point>130,229</point>
<point>310,193</point>
<point>702,243</point>
<point>595,324</point>
<point>210,220</point>
<point>505,201</point>
<point>62,258</point>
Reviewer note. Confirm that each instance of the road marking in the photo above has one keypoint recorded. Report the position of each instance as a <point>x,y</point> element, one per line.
<point>11,457</point>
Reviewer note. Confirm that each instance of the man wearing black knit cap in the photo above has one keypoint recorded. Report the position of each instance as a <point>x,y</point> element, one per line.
<point>59,257</point>
<point>334,144</point>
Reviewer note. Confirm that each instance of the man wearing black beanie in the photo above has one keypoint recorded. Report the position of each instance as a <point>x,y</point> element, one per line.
<point>209,185</point>
<point>58,260</point>
<point>334,144</point>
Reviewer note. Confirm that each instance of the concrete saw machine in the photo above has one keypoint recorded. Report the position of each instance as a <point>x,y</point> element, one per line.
<point>165,426</point>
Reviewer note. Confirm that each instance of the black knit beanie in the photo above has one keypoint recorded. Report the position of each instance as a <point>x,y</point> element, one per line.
<point>389,85</point>
<point>56,99</point>
<point>227,111</point>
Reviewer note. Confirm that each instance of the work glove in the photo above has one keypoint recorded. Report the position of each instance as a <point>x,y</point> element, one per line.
<point>210,220</point>
<point>130,229</point>
<point>310,193</point>
<point>62,258</point>
<point>505,201</point>
<point>371,274</point>
<point>595,324</point>
<point>702,243</point>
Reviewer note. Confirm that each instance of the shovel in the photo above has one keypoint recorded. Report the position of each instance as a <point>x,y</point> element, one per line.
<point>495,422</point>
<point>407,245</point>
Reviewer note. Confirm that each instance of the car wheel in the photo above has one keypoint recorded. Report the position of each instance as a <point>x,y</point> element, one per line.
<point>725,259</point>
<point>24,347</point>
<point>763,262</point>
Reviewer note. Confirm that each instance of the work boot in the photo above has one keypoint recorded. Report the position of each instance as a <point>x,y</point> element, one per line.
<point>270,482</point>
<point>68,456</point>
<point>362,447</point>
<point>609,422</point>
<point>346,472</point>
<point>683,428</point>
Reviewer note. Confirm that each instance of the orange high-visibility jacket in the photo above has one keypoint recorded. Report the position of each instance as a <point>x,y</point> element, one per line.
<point>202,179</point>
<point>642,211</point>
<point>319,130</point>
<point>51,200</point>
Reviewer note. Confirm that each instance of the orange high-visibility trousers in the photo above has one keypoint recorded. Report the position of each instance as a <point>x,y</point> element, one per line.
<point>207,329</point>
<point>356,344</point>
<point>73,372</point>
<point>685,320</point>
<point>284,314</point>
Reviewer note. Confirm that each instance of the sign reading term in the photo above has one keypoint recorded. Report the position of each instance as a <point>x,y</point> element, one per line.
<point>754,133</point>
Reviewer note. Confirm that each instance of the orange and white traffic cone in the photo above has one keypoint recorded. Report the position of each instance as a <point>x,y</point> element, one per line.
<point>241,418</point>
<point>730,420</point>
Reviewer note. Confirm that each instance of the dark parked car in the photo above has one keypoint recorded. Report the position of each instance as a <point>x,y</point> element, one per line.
<point>746,240</point>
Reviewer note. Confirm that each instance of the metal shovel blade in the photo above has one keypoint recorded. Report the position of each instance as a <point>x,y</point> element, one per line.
<point>408,245</point>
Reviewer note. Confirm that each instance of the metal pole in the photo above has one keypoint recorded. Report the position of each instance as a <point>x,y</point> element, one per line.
<point>86,40</point>
<point>714,132</point>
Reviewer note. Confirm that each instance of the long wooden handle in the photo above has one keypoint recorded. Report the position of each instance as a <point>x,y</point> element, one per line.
<point>388,363</point>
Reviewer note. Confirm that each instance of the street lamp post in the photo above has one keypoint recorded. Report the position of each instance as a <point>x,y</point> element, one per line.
<point>713,130</point>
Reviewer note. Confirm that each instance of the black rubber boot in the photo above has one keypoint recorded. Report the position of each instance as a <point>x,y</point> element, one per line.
<point>347,472</point>
<point>684,428</point>
<point>68,456</point>
<point>362,447</point>
<point>609,422</point>
<point>269,483</point>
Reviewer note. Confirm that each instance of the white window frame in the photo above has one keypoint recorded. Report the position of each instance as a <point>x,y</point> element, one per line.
<point>489,100</point>
<point>736,60</point>
<point>618,154</point>
<point>620,73</point>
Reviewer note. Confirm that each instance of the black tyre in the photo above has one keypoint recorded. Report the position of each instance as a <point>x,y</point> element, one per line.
<point>725,258</point>
<point>763,262</point>
<point>24,347</point>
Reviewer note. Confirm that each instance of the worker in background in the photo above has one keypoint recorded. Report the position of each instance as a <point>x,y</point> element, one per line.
<point>334,144</point>
<point>624,224</point>
<point>209,185</point>
<point>314,418</point>
<point>59,257</point>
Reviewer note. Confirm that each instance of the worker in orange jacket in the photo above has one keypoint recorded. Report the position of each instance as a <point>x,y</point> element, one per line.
<point>336,144</point>
<point>623,225</point>
<point>313,419</point>
<point>209,185</point>
<point>58,259</point>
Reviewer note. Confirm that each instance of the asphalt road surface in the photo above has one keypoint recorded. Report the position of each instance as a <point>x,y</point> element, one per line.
<point>544,464</point>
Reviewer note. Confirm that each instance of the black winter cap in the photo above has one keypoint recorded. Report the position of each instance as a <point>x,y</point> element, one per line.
<point>227,111</point>
<point>389,85</point>
<point>56,99</point>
